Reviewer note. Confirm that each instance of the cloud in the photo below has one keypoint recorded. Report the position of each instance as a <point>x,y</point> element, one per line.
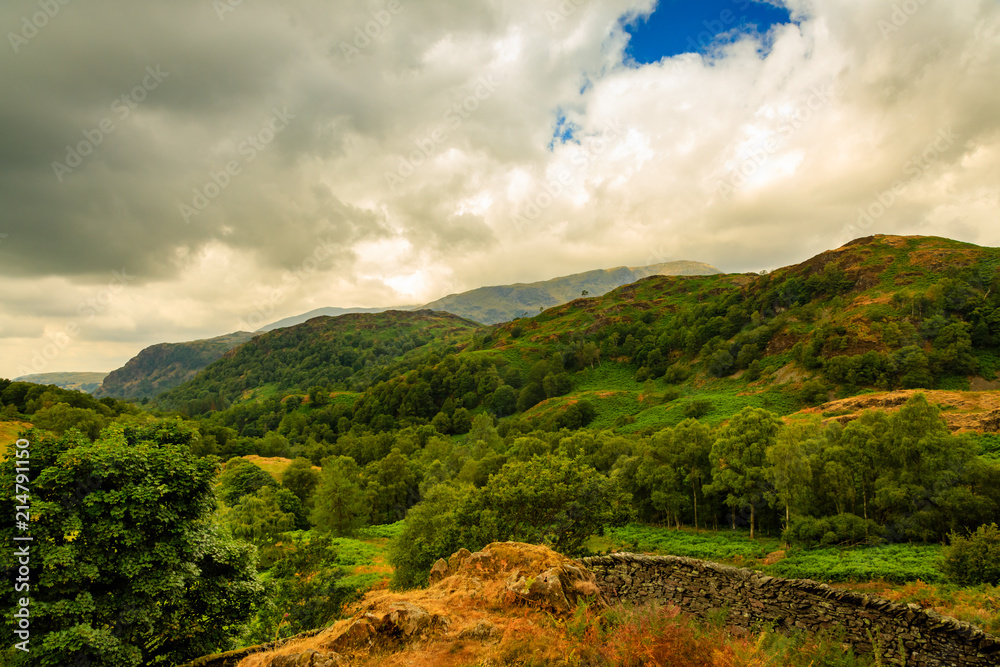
<point>415,153</point>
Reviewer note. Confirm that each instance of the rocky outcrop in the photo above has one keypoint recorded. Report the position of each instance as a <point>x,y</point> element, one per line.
<point>531,574</point>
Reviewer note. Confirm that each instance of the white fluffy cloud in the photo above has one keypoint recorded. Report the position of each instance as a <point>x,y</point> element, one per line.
<point>341,169</point>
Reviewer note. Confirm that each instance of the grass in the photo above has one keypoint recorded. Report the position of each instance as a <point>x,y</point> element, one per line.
<point>273,466</point>
<point>8,435</point>
<point>979,605</point>
<point>364,557</point>
<point>894,563</point>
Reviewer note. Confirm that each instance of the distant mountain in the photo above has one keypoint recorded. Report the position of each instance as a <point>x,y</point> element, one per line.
<point>167,365</point>
<point>88,382</point>
<point>326,312</point>
<point>502,303</point>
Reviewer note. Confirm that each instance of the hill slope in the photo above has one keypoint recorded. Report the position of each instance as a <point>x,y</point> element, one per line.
<point>165,366</point>
<point>346,351</point>
<point>325,312</point>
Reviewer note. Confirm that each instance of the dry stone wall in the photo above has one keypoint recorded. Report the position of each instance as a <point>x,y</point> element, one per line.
<point>752,599</point>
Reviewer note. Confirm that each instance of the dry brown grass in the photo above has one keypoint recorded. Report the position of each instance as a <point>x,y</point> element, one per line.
<point>965,410</point>
<point>979,606</point>
<point>8,435</point>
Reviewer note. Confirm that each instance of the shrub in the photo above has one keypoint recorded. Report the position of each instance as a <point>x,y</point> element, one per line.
<point>697,409</point>
<point>841,529</point>
<point>974,559</point>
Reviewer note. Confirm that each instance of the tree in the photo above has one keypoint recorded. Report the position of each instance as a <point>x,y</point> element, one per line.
<point>259,518</point>
<point>552,500</point>
<point>504,401</point>
<point>340,502</point>
<point>60,418</point>
<point>431,531</point>
<point>240,478</point>
<point>790,472</point>
<point>301,479</point>
<point>975,559</point>
<point>128,567</point>
<point>740,464</point>
<point>393,487</point>
<point>693,441</point>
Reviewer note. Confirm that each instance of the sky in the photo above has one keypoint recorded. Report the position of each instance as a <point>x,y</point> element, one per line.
<point>180,169</point>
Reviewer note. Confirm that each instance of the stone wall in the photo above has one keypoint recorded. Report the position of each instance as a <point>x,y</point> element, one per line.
<point>752,599</point>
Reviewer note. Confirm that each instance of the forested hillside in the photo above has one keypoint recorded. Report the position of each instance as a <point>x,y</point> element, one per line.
<point>165,366</point>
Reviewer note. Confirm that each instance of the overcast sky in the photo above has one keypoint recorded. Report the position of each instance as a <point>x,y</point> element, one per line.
<point>179,169</point>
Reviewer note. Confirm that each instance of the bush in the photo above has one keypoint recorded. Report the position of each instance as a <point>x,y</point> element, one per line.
<point>697,409</point>
<point>840,530</point>
<point>974,559</point>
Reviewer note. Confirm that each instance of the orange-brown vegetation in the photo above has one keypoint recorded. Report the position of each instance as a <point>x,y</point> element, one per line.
<point>962,410</point>
<point>518,604</point>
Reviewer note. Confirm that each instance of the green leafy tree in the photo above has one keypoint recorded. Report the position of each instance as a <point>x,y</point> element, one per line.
<point>259,518</point>
<point>301,479</point>
<point>504,401</point>
<point>740,462</point>
<point>241,478</point>
<point>393,487</point>
<point>975,559</point>
<point>341,506</point>
<point>693,441</point>
<point>60,418</point>
<point>789,465</point>
<point>128,567</point>
<point>432,530</point>
<point>552,500</point>
<point>306,591</point>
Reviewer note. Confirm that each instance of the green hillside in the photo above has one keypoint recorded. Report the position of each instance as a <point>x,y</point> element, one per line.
<point>165,366</point>
<point>344,352</point>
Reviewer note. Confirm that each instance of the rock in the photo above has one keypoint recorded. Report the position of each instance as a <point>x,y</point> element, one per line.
<point>439,571</point>
<point>400,623</point>
<point>533,573</point>
<point>481,631</point>
<point>458,559</point>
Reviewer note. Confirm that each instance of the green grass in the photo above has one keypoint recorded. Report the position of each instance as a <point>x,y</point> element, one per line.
<point>362,558</point>
<point>722,546</point>
<point>896,563</point>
